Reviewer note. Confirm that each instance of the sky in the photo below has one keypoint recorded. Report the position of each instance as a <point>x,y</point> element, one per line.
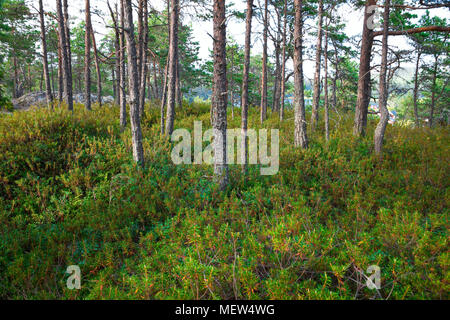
<point>235,29</point>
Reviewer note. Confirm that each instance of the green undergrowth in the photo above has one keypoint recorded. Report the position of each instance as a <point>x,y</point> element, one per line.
<point>70,194</point>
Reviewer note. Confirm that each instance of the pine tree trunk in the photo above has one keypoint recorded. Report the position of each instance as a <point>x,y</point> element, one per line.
<point>60,73</point>
<point>48,89</point>
<point>384,113</point>
<point>363,95</point>
<point>220,94</point>
<point>264,66</point>
<point>173,61</point>
<point>283,64</point>
<point>325,87</point>
<point>114,17</point>
<point>336,71</point>
<point>133,82</point>
<point>416,90</point>
<point>230,87</point>
<point>97,68</point>
<point>144,57</point>
<point>87,57</point>
<point>277,84</point>
<point>433,91</point>
<point>166,75</point>
<point>300,137</point>
<point>63,31</point>
<point>178,95</point>
<point>316,94</point>
<point>123,95</point>
<point>164,96</point>
<point>245,76</point>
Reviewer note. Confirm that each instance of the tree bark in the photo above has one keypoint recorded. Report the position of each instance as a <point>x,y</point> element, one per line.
<point>164,95</point>
<point>114,17</point>
<point>133,82</point>
<point>140,40</point>
<point>433,91</point>
<point>325,88</point>
<point>245,76</point>
<point>173,61</point>
<point>65,53</point>
<point>60,72</point>
<point>123,96</point>
<point>231,82</point>
<point>316,94</point>
<point>363,94</point>
<point>220,95</point>
<point>144,57</point>
<point>283,63</point>
<point>336,72</point>
<point>97,68</point>
<point>277,80</point>
<point>166,75</point>
<point>416,90</point>
<point>300,137</point>
<point>87,57</point>
<point>16,77</point>
<point>264,66</point>
<point>384,113</point>
<point>178,94</point>
<point>48,89</point>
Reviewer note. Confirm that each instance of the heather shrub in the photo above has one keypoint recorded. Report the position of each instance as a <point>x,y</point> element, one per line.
<point>70,194</point>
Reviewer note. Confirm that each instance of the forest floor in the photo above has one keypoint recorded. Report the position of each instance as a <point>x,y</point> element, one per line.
<point>70,194</point>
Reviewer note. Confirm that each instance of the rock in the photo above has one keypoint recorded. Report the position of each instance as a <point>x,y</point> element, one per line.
<point>40,99</point>
<point>30,99</point>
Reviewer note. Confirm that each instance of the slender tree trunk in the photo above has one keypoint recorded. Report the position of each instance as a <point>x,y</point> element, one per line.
<point>16,77</point>
<point>136,133</point>
<point>97,68</point>
<point>277,80</point>
<point>316,94</point>
<point>166,73</point>
<point>173,61</point>
<point>48,88</point>
<point>220,94</point>
<point>433,90</point>
<point>156,93</point>
<point>325,87</point>
<point>114,17</point>
<point>384,113</point>
<point>300,137</point>
<point>283,63</point>
<point>416,90</point>
<point>336,71</point>
<point>114,83</point>
<point>140,40</point>
<point>69,93</point>
<point>60,72</point>
<point>65,53</point>
<point>363,95</point>
<point>264,66</point>
<point>144,57</point>
<point>164,96</point>
<point>230,87</point>
<point>52,76</point>
<point>123,96</point>
<point>87,57</point>
<point>245,76</point>
<point>178,95</point>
